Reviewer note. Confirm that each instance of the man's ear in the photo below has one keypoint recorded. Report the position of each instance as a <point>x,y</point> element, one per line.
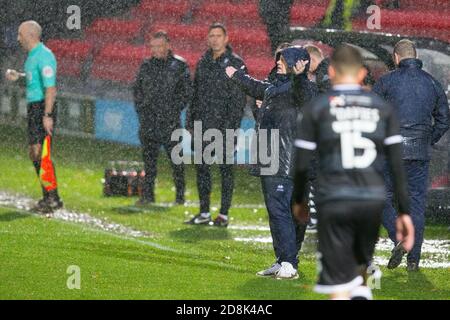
<point>396,59</point>
<point>362,73</point>
<point>331,72</point>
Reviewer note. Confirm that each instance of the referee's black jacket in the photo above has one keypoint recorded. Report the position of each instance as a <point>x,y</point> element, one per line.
<point>217,101</point>
<point>162,89</point>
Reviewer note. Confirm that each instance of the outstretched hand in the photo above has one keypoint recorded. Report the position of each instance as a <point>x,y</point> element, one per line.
<point>12,75</point>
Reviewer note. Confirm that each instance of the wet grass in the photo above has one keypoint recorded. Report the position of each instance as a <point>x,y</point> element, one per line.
<point>199,263</point>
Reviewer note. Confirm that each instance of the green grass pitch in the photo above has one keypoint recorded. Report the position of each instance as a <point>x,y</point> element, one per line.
<point>175,261</point>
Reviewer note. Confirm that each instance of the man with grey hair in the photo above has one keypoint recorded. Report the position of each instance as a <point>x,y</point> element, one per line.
<point>40,74</point>
<point>422,108</point>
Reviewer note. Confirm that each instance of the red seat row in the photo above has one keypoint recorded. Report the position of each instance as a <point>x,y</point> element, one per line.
<point>169,11</point>
<point>118,62</point>
<point>427,24</point>
<point>105,30</point>
<point>415,19</point>
<point>307,15</point>
<point>71,55</point>
<point>249,42</point>
<point>428,4</point>
<point>228,13</point>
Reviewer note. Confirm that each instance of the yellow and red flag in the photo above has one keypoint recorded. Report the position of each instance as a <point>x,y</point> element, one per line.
<point>47,172</point>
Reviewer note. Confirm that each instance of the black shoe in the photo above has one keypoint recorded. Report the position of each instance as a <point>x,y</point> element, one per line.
<point>180,201</point>
<point>396,256</point>
<point>220,222</point>
<point>48,205</point>
<point>40,206</point>
<point>412,267</point>
<point>199,220</point>
<point>144,202</point>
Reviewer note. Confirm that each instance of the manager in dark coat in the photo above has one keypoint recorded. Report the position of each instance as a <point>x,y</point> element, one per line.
<point>217,103</point>
<point>163,88</point>
<point>422,108</point>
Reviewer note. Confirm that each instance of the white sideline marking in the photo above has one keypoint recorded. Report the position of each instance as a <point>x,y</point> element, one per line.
<point>437,251</point>
<point>102,226</point>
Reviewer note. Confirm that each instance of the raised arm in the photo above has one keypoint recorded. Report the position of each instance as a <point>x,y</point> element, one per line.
<point>251,86</point>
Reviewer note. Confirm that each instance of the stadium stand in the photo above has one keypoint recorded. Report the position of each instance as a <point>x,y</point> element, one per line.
<point>71,55</point>
<point>107,30</point>
<point>118,62</point>
<point>167,11</point>
<point>425,18</point>
<point>115,45</point>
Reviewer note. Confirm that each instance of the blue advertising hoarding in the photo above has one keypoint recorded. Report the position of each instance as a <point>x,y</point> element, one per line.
<point>116,121</point>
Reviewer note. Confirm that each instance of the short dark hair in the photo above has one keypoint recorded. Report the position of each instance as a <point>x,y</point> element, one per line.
<point>346,59</point>
<point>161,34</point>
<point>405,49</point>
<point>218,25</point>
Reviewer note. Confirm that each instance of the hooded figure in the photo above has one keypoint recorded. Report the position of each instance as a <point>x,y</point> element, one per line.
<point>281,104</point>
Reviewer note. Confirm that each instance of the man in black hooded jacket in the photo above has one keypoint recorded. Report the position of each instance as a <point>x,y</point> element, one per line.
<point>282,99</point>
<point>218,103</point>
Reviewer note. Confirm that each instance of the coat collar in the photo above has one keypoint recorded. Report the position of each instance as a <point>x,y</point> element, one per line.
<point>227,53</point>
<point>411,63</point>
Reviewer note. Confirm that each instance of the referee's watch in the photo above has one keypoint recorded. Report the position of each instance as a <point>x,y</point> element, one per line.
<point>48,114</point>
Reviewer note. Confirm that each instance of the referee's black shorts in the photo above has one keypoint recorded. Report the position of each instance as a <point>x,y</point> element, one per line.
<point>347,232</point>
<point>35,116</point>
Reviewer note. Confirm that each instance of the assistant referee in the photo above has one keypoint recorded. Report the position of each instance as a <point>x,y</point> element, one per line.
<point>40,73</point>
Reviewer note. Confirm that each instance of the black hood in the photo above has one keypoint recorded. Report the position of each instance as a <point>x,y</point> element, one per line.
<point>294,54</point>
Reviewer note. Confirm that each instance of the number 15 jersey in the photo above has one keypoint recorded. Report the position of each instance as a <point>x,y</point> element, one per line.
<point>352,132</point>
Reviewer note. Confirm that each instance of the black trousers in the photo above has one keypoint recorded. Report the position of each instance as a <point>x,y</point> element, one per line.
<point>204,186</point>
<point>150,148</point>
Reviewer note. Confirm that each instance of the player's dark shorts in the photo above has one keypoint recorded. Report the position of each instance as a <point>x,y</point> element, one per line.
<point>347,232</point>
<point>36,131</point>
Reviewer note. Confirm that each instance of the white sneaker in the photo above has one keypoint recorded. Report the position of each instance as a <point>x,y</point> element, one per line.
<point>286,271</point>
<point>270,272</point>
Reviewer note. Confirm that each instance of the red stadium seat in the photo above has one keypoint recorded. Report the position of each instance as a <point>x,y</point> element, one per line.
<point>191,57</point>
<point>426,23</point>
<point>428,4</point>
<point>250,42</point>
<point>71,55</point>
<point>105,30</point>
<point>118,62</point>
<point>415,19</point>
<point>167,11</point>
<point>259,68</point>
<point>186,37</point>
<point>306,15</point>
<point>229,13</point>
<point>246,42</point>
